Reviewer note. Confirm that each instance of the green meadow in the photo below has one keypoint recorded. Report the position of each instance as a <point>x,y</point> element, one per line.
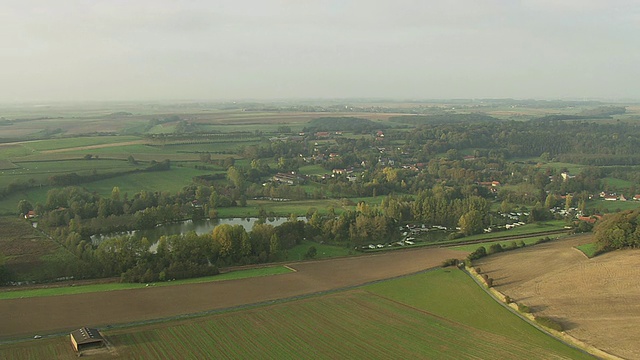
<point>82,289</point>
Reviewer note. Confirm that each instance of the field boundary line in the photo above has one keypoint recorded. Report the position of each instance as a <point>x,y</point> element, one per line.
<point>290,268</point>
<point>425,312</point>
<point>107,326</point>
<point>97,146</point>
<point>581,252</point>
<point>558,335</point>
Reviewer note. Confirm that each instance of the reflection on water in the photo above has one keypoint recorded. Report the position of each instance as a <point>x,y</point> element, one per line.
<point>200,227</point>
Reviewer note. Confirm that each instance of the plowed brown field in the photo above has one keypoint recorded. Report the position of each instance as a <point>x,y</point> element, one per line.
<point>26,317</point>
<point>597,300</point>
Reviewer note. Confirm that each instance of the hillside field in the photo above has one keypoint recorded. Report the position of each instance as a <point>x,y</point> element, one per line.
<point>595,299</point>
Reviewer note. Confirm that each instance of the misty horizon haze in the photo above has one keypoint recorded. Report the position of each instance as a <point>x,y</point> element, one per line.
<point>279,50</point>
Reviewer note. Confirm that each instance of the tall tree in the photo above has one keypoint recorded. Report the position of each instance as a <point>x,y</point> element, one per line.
<point>471,222</point>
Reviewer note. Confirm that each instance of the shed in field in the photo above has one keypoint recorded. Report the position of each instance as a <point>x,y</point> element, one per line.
<point>86,338</point>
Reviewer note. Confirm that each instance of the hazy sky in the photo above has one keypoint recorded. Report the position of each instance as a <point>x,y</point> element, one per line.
<point>274,49</point>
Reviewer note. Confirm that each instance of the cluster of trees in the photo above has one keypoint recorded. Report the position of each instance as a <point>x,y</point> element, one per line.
<point>88,213</point>
<point>449,207</point>
<point>191,255</point>
<point>618,231</point>
<point>180,256</point>
<point>5,274</point>
<point>364,225</point>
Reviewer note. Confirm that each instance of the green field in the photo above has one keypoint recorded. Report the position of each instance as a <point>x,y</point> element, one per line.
<point>171,181</point>
<point>425,316</point>
<point>324,251</point>
<point>573,169</point>
<point>42,170</point>
<point>81,289</point>
<point>617,184</point>
<point>590,250</point>
<point>14,151</point>
<point>452,295</point>
<point>613,206</point>
<point>313,170</point>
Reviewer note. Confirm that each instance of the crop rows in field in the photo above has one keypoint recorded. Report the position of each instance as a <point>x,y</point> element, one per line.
<point>348,325</point>
<point>58,348</point>
<point>420,319</point>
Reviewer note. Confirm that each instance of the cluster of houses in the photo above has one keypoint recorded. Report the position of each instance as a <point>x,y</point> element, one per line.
<point>615,197</point>
<point>491,185</point>
<point>289,178</point>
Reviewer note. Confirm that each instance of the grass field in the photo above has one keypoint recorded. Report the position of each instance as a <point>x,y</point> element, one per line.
<point>612,206</point>
<point>7,165</point>
<point>172,181</point>
<point>425,316</point>
<point>573,169</point>
<point>68,290</point>
<point>42,170</point>
<point>589,249</point>
<point>13,151</point>
<point>472,247</point>
<point>313,170</point>
<point>617,184</point>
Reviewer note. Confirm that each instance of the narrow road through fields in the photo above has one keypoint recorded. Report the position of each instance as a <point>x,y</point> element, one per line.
<point>30,316</point>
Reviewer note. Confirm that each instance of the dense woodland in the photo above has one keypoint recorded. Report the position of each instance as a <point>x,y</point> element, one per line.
<point>431,169</point>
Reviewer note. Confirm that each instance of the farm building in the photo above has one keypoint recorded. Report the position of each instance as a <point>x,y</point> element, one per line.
<point>86,338</point>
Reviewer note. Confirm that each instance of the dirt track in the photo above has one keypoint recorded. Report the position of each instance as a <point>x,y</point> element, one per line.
<point>26,317</point>
<point>598,300</point>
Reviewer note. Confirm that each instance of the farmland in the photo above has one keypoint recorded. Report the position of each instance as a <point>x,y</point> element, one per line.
<point>57,290</point>
<point>429,315</point>
<point>29,254</point>
<point>595,299</point>
<point>52,314</point>
<point>366,176</point>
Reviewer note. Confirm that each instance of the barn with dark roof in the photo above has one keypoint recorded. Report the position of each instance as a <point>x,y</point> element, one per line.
<point>86,338</point>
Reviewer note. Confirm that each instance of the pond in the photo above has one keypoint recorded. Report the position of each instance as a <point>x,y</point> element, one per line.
<point>183,227</point>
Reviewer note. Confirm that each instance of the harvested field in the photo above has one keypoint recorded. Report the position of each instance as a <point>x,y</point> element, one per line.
<point>595,299</point>
<point>63,313</point>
